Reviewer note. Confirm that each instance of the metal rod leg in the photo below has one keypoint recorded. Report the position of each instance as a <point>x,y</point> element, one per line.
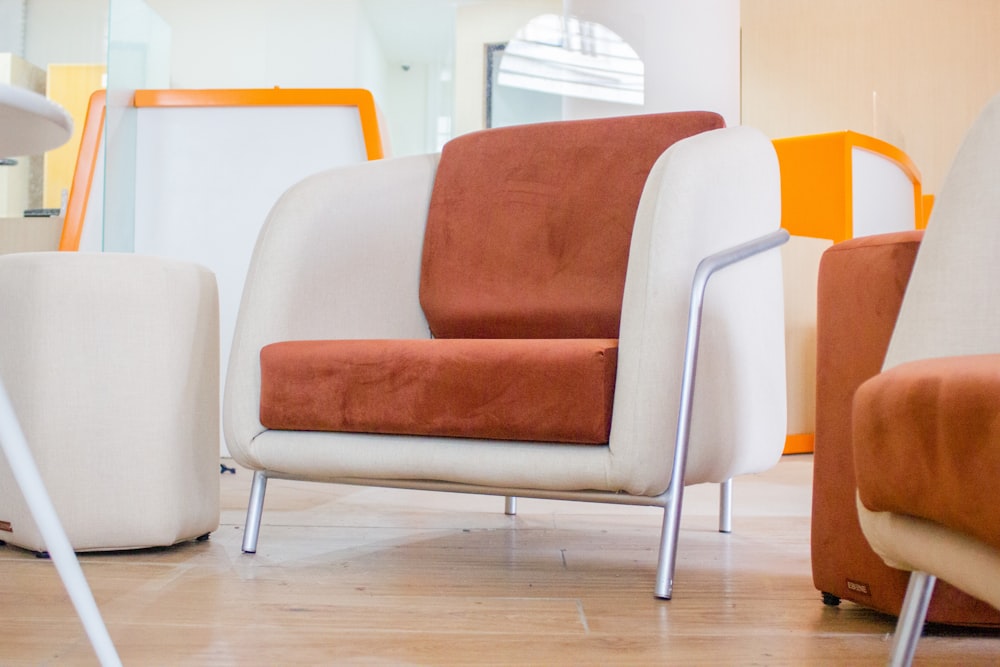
<point>510,505</point>
<point>255,509</point>
<point>726,506</point>
<point>672,511</point>
<point>669,536</point>
<point>22,465</point>
<point>911,618</point>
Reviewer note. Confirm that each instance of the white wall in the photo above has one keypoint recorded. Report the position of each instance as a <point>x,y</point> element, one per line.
<point>292,44</point>
<point>476,25</point>
<point>12,16</point>
<point>239,44</point>
<point>691,52</point>
<point>61,31</point>
<point>407,121</point>
<point>226,43</point>
<point>811,67</point>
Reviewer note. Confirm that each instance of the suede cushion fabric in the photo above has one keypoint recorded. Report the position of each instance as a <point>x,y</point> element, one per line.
<point>927,442</point>
<point>534,390</point>
<point>861,286</point>
<point>529,227</point>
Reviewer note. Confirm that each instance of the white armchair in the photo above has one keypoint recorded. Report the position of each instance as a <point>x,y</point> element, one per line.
<point>349,261</point>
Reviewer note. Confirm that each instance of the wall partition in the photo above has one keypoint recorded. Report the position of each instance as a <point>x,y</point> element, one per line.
<point>208,164</point>
<point>138,57</point>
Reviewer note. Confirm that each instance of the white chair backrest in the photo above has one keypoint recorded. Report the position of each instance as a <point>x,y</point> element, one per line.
<point>952,302</point>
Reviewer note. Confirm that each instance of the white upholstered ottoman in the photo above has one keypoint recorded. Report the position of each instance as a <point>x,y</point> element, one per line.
<point>112,365</point>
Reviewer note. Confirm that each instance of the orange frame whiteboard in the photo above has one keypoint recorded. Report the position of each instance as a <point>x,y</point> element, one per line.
<point>76,206</point>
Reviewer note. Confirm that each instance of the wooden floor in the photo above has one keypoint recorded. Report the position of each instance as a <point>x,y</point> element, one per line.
<point>360,576</point>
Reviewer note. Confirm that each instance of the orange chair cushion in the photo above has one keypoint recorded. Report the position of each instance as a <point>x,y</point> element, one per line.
<point>860,289</point>
<point>529,227</point>
<point>534,390</point>
<point>927,443</point>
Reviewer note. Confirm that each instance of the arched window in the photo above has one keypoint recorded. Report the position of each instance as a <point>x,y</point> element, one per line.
<point>555,56</point>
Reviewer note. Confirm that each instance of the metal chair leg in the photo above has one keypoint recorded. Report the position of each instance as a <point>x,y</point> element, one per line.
<point>726,506</point>
<point>255,510</point>
<point>911,618</point>
<point>669,536</point>
<point>510,505</point>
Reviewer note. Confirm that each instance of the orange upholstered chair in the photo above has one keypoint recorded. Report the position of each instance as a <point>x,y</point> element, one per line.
<point>510,318</point>
<point>926,430</point>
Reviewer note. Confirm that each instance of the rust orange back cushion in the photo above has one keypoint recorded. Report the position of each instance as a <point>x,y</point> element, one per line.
<point>529,226</point>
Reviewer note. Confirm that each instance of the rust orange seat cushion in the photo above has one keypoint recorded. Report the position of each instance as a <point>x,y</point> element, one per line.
<point>549,390</point>
<point>927,442</point>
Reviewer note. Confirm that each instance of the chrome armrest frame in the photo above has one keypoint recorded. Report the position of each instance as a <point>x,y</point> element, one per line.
<point>707,267</point>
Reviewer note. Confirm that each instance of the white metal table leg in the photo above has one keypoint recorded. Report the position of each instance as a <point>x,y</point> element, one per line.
<point>15,447</point>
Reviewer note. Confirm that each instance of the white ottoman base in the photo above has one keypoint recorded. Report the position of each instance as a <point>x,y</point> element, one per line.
<point>112,366</point>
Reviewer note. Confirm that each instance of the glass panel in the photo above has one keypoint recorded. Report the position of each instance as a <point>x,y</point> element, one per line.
<point>410,69</point>
<point>138,57</point>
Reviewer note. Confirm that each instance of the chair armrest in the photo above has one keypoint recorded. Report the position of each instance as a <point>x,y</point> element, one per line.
<point>706,268</point>
<point>707,194</point>
<point>337,258</point>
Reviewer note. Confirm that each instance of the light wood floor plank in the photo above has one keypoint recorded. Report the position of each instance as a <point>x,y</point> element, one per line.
<point>364,576</point>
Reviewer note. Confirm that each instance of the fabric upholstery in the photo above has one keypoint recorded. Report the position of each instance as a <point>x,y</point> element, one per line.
<point>910,543</point>
<point>951,309</point>
<point>312,273</point>
<point>952,305</point>
<point>927,442</point>
<point>529,227</point>
<point>339,258</point>
<point>861,287</point>
<point>509,389</point>
<point>112,366</point>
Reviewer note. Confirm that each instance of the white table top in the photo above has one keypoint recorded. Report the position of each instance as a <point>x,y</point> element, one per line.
<point>30,123</point>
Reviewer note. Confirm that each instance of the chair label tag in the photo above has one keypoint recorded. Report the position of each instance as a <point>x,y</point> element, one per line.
<point>858,587</point>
